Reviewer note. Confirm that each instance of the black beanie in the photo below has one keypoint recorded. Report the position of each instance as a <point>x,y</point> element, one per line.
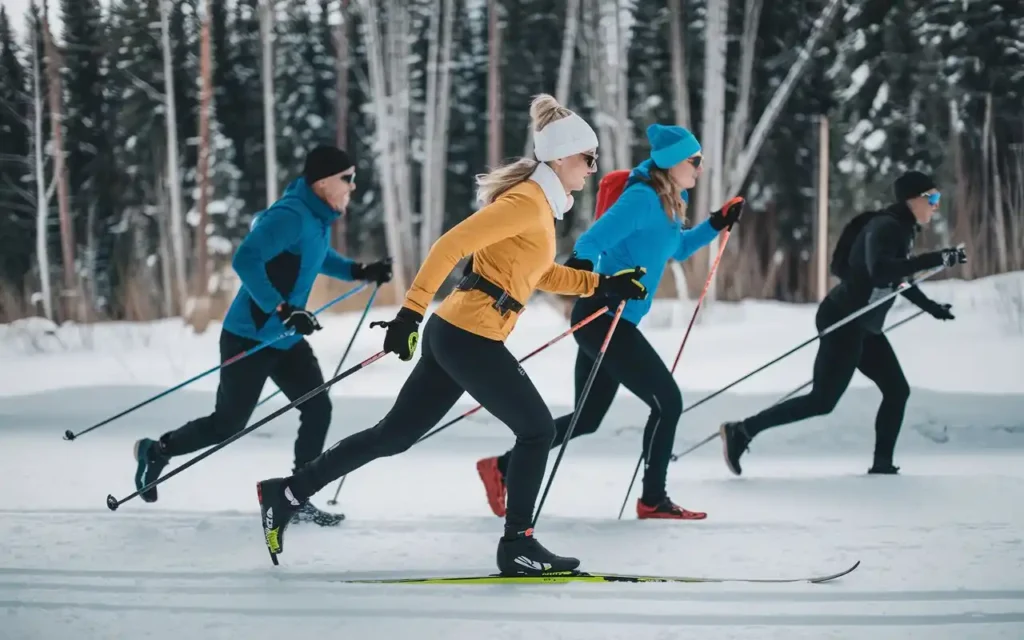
<point>912,184</point>
<point>325,161</point>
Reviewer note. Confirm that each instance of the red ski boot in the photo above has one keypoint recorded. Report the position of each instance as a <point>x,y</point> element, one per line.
<point>494,484</point>
<point>666,510</point>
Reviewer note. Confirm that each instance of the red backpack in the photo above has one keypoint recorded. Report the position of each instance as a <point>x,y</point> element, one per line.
<point>609,189</point>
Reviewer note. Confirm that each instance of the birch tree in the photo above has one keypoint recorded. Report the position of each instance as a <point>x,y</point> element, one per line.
<point>200,316</point>
<point>437,114</point>
<point>67,232</point>
<point>43,194</point>
<point>383,105</point>
<point>177,223</point>
<point>266,11</point>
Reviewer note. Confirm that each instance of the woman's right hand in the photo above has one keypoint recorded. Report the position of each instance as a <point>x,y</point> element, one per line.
<point>624,285</point>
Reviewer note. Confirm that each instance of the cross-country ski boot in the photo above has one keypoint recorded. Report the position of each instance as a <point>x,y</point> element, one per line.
<point>519,554</point>
<point>665,509</point>
<point>151,461</point>
<point>884,468</point>
<point>308,513</point>
<point>735,442</point>
<point>277,507</point>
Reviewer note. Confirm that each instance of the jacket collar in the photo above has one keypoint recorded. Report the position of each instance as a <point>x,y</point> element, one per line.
<point>557,198</point>
<point>902,213</point>
<point>299,189</point>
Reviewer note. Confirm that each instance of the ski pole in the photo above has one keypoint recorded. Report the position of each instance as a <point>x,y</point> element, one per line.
<point>113,503</point>
<point>465,415</point>
<point>69,435</point>
<point>579,408</point>
<point>644,455</point>
<point>856,314</point>
<point>347,349</point>
<point>810,382</point>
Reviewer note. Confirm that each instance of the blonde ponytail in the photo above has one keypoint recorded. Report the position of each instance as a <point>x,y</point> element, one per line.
<point>543,111</point>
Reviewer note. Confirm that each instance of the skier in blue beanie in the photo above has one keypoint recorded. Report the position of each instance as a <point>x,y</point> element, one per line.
<point>646,227</point>
<point>286,249</point>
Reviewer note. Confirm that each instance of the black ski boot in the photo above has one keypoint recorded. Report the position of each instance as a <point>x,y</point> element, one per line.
<point>308,513</point>
<point>519,554</point>
<point>151,461</point>
<point>883,468</point>
<point>735,442</point>
<point>277,507</point>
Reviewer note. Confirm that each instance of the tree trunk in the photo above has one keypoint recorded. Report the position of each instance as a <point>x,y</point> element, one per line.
<point>427,184</point>
<point>677,45</point>
<point>173,180</point>
<point>42,199</point>
<point>381,102</point>
<point>67,231</point>
<point>998,217</point>
<point>341,64</point>
<point>572,14</point>
<point>709,191</point>
<point>494,120</point>
<point>741,113</point>
<point>623,126</point>
<point>201,313</point>
<point>269,103</point>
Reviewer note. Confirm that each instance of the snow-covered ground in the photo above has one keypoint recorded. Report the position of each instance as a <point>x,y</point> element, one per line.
<point>940,546</point>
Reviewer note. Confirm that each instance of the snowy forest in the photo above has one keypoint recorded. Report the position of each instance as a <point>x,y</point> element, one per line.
<point>139,138</point>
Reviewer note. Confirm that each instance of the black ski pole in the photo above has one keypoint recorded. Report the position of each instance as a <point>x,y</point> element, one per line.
<point>70,435</point>
<point>676,456</point>
<point>113,503</point>
<point>579,408</point>
<point>347,349</point>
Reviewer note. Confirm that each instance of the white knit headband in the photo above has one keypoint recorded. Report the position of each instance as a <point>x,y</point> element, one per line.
<point>563,138</point>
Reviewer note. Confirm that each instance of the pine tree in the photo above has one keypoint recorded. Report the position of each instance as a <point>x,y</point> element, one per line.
<point>299,123</point>
<point>184,32</point>
<point>650,72</point>
<point>526,68</point>
<point>17,225</point>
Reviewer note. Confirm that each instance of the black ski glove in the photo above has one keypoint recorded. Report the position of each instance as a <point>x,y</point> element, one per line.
<point>301,320</point>
<point>728,215</point>
<point>579,263</point>
<point>624,285</point>
<point>379,272</point>
<point>403,333</point>
<point>953,256</point>
<point>940,311</point>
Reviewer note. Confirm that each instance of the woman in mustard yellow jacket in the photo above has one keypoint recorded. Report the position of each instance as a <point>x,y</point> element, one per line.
<point>512,241</point>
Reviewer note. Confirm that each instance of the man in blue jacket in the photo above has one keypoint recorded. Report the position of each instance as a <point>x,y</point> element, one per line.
<point>287,247</point>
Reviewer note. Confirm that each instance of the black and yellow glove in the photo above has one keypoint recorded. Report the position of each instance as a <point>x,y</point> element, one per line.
<point>403,333</point>
<point>624,285</point>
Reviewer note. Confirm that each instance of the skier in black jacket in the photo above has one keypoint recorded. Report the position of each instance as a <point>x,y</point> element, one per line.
<point>872,257</point>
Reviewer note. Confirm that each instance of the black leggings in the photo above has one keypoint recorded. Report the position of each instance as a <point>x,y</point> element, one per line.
<point>453,361</point>
<point>845,350</point>
<point>631,361</point>
<point>295,371</point>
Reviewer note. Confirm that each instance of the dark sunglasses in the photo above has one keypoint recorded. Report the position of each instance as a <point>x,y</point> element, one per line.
<point>349,178</point>
<point>933,198</point>
<point>590,160</point>
<point>696,161</point>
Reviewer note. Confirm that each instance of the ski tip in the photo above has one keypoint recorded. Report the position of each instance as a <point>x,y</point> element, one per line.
<point>69,435</point>
<point>112,503</point>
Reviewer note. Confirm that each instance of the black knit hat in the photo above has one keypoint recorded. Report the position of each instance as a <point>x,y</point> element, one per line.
<point>325,161</point>
<point>912,184</point>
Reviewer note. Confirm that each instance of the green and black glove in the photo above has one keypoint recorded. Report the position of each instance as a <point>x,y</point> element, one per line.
<point>402,333</point>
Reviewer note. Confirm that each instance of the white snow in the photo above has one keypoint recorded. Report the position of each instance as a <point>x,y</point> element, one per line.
<point>874,141</point>
<point>940,545</point>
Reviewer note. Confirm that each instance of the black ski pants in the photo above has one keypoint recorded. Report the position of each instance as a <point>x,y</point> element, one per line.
<point>840,353</point>
<point>453,361</point>
<point>630,360</point>
<point>295,371</point>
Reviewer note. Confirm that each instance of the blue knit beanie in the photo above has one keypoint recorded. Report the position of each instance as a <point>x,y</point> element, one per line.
<point>670,145</point>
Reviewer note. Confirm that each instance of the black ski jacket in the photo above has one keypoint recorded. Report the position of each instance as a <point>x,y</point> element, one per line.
<point>880,259</point>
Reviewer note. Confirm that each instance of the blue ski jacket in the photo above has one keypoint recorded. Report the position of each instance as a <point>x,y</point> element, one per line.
<point>637,231</point>
<point>286,248</point>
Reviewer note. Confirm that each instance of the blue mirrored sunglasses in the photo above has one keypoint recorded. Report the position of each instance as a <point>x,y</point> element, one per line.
<point>933,198</point>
